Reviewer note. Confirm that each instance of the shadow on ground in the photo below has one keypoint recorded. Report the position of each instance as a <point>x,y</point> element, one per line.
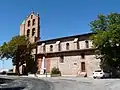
<point>3,80</point>
<point>12,88</point>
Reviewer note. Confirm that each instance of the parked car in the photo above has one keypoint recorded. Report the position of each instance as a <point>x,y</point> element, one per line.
<point>101,74</point>
<point>3,73</point>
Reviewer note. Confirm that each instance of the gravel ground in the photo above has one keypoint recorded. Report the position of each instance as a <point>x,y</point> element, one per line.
<point>61,83</point>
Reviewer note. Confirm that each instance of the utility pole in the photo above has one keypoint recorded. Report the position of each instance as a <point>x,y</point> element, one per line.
<point>3,64</point>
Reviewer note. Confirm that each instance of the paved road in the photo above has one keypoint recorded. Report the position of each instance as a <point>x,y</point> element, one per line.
<point>84,84</point>
<point>24,83</point>
<point>62,83</point>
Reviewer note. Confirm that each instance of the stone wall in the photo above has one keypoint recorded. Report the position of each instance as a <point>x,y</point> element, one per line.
<point>72,64</point>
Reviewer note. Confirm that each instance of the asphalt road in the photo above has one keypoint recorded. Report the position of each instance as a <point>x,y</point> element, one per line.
<point>60,83</point>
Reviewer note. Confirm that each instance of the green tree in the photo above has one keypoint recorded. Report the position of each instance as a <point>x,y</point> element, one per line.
<point>19,49</point>
<point>106,40</point>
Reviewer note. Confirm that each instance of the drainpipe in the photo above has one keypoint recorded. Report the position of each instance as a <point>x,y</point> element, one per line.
<point>42,65</point>
<point>36,42</point>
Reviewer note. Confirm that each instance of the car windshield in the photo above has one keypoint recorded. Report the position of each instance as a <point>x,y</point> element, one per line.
<point>98,70</point>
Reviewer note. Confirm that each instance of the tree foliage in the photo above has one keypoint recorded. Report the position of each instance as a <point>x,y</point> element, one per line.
<point>19,49</point>
<point>106,39</point>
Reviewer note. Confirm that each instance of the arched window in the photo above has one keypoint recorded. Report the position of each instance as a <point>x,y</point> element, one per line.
<point>67,46</point>
<point>33,22</point>
<point>87,44</point>
<point>59,47</point>
<point>44,48</point>
<point>28,23</point>
<point>33,31</point>
<point>61,59</point>
<point>28,32</point>
<point>51,47</point>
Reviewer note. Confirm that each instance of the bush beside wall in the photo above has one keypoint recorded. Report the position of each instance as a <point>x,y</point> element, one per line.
<point>55,72</point>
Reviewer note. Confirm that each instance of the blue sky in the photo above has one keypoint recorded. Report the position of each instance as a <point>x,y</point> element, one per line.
<point>58,17</point>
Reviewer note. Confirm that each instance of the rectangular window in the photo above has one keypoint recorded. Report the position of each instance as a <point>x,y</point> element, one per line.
<point>61,59</point>
<point>83,66</point>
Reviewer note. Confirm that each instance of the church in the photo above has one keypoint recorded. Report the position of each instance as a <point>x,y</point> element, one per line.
<point>73,55</point>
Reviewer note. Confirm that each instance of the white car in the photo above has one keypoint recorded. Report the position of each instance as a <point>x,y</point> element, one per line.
<point>100,74</point>
<point>5,70</point>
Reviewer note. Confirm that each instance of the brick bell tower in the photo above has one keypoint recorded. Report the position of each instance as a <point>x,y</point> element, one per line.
<point>30,27</point>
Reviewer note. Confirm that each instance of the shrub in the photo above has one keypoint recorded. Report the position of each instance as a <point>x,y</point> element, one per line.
<point>55,71</point>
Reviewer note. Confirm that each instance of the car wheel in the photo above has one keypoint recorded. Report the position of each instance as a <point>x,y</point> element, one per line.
<point>94,77</point>
<point>102,77</point>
